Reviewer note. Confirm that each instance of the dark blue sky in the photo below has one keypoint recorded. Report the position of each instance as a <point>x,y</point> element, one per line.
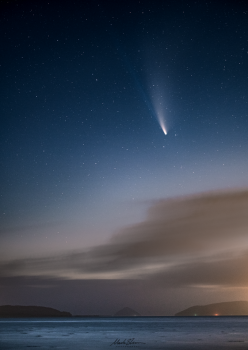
<point>84,84</point>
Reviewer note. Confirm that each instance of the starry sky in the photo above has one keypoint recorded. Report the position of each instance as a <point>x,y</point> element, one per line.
<point>124,173</point>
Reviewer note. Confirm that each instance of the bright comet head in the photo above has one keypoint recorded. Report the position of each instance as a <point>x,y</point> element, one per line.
<point>161,122</point>
<point>164,130</point>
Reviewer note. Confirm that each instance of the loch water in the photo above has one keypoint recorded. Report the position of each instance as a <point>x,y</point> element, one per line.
<point>123,333</point>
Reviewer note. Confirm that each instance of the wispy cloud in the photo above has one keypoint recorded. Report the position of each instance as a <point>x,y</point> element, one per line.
<point>196,240</point>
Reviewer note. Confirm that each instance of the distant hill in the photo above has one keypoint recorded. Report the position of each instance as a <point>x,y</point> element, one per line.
<point>31,311</point>
<point>231,308</point>
<point>126,311</point>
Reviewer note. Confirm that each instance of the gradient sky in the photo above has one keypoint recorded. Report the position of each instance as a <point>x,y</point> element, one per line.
<point>96,201</point>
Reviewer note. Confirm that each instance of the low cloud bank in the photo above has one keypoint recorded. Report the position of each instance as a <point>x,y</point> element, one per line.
<point>194,240</point>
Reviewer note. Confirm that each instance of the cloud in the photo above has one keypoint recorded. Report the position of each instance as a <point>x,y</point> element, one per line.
<point>183,241</point>
<point>224,271</point>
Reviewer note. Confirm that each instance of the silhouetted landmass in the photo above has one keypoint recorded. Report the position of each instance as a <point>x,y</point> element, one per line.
<point>126,311</point>
<point>88,316</point>
<point>232,308</point>
<point>31,311</point>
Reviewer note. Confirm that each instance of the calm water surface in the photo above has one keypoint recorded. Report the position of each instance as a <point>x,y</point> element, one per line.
<point>124,333</point>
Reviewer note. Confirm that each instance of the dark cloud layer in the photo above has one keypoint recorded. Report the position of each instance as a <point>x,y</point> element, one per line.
<point>184,241</point>
<point>94,296</point>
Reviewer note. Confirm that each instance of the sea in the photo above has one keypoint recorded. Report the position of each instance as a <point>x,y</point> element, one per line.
<point>83,333</point>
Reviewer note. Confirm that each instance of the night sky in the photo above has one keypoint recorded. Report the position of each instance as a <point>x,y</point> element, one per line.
<point>124,172</point>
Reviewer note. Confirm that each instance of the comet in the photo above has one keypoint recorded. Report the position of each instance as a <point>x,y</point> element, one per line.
<point>159,104</point>
<point>155,103</point>
<point>159,110</point>
<point>161,122</point>
<point>164,130</point>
